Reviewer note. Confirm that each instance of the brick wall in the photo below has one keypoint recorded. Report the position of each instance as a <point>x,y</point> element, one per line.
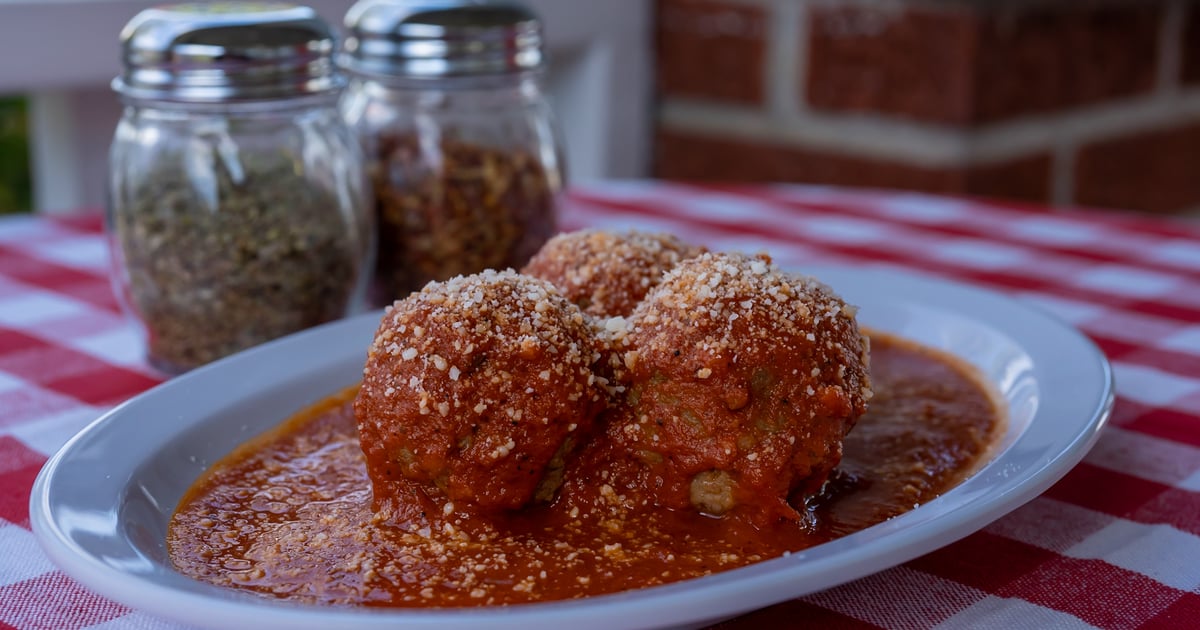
<point>1056,101</point>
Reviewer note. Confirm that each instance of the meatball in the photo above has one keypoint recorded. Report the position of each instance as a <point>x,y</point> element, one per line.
<point>606,273</point>
<point>742,381</point>
<point>474,389</point>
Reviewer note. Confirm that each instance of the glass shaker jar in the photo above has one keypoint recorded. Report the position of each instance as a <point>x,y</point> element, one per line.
<point>462,147</point>
<point>239,208</point>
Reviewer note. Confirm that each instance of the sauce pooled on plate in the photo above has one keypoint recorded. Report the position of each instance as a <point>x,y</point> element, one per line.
<point>507,446</point>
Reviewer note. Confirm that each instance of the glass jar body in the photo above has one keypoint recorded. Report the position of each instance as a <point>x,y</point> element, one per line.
<point>231,225</point>
<point>467,174</point>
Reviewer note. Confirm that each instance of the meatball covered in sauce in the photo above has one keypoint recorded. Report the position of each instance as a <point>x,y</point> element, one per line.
<point>742,381</point>
<point>474,389</point>
<point>607,274</point>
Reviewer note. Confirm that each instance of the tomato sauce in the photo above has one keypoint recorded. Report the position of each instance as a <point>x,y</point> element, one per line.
<point>289,514</point>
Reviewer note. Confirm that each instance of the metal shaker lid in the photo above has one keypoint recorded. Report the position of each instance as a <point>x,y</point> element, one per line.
<point>225,52</point>
<point>440,38</point>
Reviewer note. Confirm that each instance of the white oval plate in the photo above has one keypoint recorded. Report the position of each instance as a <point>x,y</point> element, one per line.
<point>100,506</point>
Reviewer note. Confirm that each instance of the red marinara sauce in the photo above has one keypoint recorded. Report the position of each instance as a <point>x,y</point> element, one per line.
<point>289,515</point>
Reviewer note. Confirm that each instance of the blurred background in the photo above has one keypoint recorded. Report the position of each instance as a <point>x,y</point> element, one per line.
<point>1060,102</point>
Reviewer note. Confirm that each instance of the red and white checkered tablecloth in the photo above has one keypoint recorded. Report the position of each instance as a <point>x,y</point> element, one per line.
<point>1115,544</point>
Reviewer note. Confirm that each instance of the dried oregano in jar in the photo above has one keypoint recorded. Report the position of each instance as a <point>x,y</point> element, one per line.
<point>462,147</point>
<point>481,208</point>
<point>239,208</point>
<point>271,257</point>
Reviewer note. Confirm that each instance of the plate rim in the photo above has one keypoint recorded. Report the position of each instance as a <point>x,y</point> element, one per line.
<point>705,599</point>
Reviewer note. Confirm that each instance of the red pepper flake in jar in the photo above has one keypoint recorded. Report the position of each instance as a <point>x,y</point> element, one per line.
<point>447,101</point>
<point>474,208</point>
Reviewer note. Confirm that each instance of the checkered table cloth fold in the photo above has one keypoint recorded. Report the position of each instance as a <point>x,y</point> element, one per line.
<point>1115,544</point>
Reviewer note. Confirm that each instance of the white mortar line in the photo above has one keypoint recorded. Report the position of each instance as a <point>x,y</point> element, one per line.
<point>856,134</point>
<point>786,57</point>
<point>1062,174</point>
<point>1170,47</point>
<point>928,144</point>
<point>750,3</point>
<point>1096,122</point>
